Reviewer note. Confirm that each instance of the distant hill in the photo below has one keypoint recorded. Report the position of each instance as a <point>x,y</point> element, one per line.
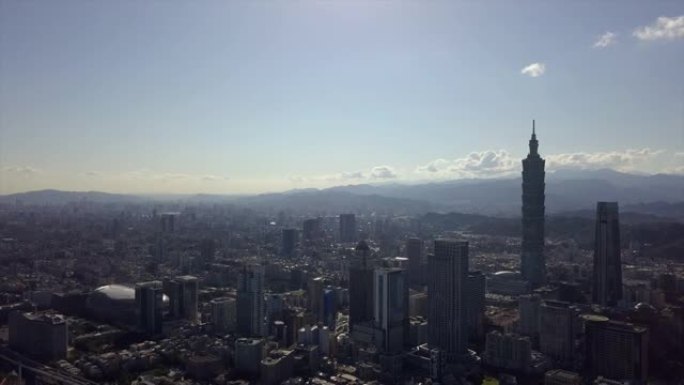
<point>566,191</point>
<point>58,197</point>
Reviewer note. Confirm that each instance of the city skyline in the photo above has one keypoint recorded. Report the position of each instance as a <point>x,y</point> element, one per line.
<point>260,98</point>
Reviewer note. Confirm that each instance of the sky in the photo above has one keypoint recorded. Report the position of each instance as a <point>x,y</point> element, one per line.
<point>257,96</point>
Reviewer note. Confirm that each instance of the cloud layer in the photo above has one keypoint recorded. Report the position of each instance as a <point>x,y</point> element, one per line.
<point>498,163</point>
<point>664,28</point>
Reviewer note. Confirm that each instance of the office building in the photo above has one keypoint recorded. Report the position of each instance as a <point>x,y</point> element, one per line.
<point>616,350</point>
<point>361,286</point>
<point>183,292</point>
<point>391,308</point>
<point>42,335</point>
<point>607,290</point>
<point>312,229</point>
<point>533,265</point>
<point>414,254</point>
<point>248,355</point>
<point>508,351</point>
<point>223,314</point>
<point>149,299</point>
<point>556,330</point>
<point>347,228</point>
<point>290,239</point>
<point>529,307</point>
<point>167,222</point>
<point>329,307</point>
<point>277,367</point>
<point>250,301</point>
<point>475,304</point>
<point>447,319</point>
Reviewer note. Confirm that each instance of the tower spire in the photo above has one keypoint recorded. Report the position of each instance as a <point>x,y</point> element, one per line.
<point>533,140</point>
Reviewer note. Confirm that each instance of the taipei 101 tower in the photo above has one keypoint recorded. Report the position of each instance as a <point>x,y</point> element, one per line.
<point>533,265</point>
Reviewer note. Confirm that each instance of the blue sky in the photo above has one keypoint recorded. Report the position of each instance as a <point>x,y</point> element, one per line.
<point>242,97</point>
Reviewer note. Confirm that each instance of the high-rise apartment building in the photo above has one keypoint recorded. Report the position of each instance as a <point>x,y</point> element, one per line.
<point>250,301</point>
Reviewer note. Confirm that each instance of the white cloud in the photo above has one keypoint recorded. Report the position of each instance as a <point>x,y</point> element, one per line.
<point>374,174</point>
<point>665,28</point>
<point>383,172</point>
<point>534,70</point>
<point>489,163</point>
<point>625,160</point>
<point>21,170</point>
<point>603,41</point>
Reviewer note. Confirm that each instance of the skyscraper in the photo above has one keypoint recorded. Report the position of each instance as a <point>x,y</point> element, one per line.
<point>607,289</point>
<point>447,315</point>
<point>391,307</point>
<point>149,300</point>
<point>360,286</point>
<point>475,303</point>
<point>312,229</point>
<point>529,307</point>
<point>250,301</point>
<point>289,241</point>
<point>347,228</point>
<point>556,326</point>
<point>183,292</point>
<point>414,253</point>
<point>533,266</point>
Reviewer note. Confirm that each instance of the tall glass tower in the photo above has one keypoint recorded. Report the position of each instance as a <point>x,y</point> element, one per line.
<point>607,289</point>
<point>533,265</point>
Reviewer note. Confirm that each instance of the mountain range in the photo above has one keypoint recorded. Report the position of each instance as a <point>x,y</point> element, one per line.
<point>566,191</point>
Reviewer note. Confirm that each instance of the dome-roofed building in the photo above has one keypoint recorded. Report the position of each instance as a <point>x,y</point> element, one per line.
<point>114,303</point>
